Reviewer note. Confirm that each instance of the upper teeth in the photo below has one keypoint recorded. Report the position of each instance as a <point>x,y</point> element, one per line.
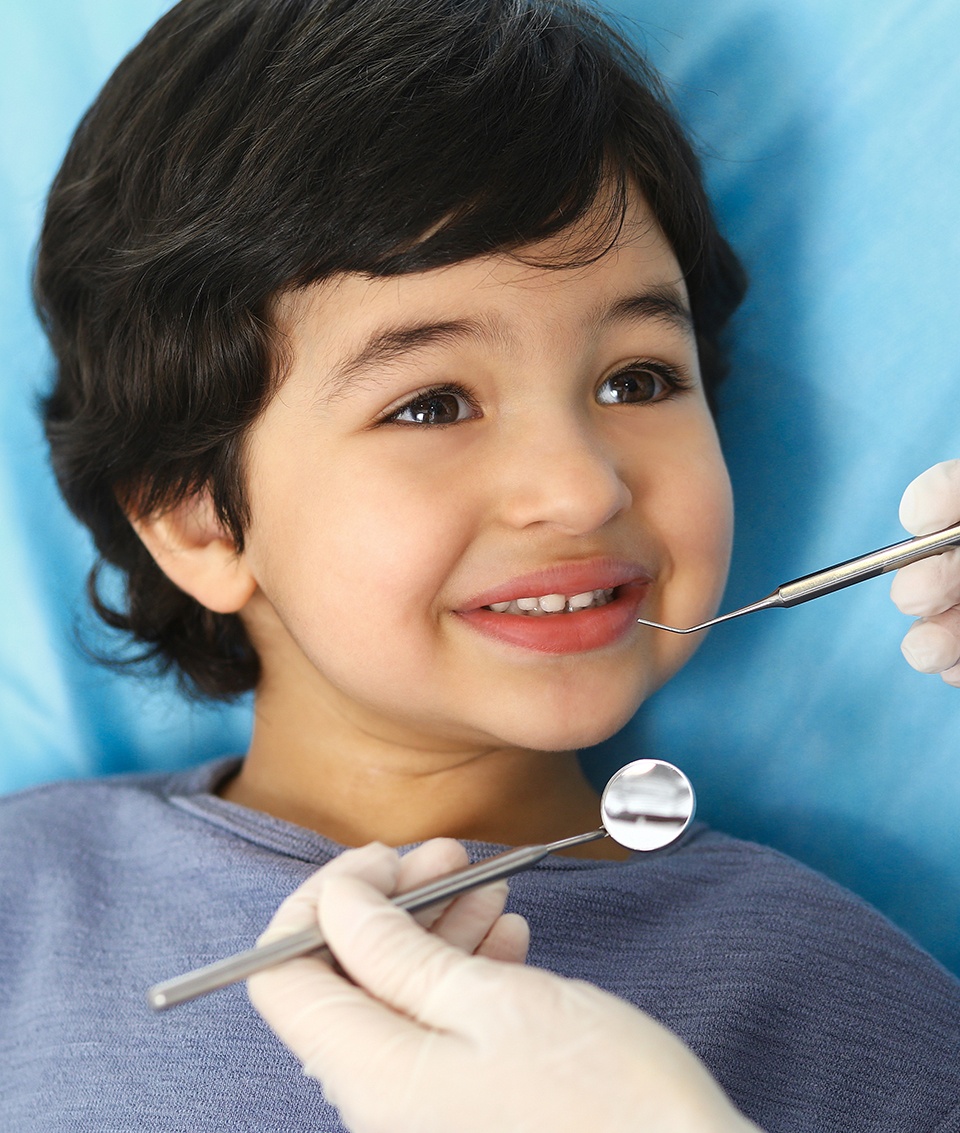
<point>553,603</point>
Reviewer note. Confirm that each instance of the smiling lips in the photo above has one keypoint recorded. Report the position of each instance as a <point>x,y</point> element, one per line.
<point>570,609</point>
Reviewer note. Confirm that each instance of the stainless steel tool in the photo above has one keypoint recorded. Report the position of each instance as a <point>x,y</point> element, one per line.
<point>837,577</point>
<point>645,806</point>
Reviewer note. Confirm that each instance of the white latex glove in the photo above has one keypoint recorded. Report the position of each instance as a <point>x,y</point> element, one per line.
<point>431,1039</point>
<point>930,589</point>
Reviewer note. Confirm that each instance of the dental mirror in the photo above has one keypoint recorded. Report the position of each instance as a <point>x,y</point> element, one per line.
<point>645,806</point>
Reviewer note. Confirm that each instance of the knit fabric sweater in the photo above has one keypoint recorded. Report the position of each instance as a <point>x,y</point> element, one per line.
<point>813,1011</point>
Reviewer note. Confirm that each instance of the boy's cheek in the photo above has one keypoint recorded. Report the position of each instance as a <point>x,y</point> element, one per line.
<point>695,517</point>
<point>356,592</point>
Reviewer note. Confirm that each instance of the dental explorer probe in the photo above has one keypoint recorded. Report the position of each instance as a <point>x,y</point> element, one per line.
<point>838,577</point>
<point>645,806</point>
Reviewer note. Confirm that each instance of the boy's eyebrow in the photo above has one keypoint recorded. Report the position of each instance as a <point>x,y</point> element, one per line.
<point>386,345</point>
<point>661,302</point>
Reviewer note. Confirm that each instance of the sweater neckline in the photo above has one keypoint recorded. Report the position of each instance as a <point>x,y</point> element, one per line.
<point>194,791</point>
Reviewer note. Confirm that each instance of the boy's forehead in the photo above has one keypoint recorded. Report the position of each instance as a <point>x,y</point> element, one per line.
<point>492,297</point>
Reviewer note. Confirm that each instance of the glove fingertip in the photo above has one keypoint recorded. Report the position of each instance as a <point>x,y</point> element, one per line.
<point>914,658</point>
<point>930,648</point>
<point>508,940</point>
<point>931,500</point>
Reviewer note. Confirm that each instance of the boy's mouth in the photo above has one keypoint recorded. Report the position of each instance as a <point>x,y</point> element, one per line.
<point>569,608</point>
<point>554,603</point>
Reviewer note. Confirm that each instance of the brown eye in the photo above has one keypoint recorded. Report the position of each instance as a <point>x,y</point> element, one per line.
<point>440,407</point>
<point>632,387</point>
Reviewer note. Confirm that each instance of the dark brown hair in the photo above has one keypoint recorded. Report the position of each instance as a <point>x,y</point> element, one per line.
<point>247,147</point>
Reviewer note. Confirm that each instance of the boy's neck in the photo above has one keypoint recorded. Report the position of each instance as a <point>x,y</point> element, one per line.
<point>357,792</point>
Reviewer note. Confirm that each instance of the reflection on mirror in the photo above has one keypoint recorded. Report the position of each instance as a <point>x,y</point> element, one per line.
<point>647,805</point>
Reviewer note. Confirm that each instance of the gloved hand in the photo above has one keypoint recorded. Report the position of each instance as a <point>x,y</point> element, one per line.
<point>930,589</point>
<point>431,1039</point>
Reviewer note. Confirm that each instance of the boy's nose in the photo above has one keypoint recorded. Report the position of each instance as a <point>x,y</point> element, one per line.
<point>561,474</point>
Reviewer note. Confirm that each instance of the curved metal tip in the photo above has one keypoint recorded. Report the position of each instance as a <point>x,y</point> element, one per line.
<point>767,603</point>
<point>673,629</point>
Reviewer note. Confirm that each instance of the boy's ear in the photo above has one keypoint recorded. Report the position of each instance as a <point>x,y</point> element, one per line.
<point>192,548</point>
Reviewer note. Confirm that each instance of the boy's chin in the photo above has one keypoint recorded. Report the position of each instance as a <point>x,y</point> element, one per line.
<point>569,734</point>
<point>584,721</point>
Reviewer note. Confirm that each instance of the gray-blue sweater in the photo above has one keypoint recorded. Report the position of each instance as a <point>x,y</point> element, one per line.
<point>811,1009</point>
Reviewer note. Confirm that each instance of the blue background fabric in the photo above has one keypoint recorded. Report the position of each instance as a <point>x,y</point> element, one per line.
<point>831,137</point>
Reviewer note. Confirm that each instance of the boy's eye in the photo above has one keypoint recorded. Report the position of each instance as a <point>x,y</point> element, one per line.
<point>437,407</point>
<point>639,384</point>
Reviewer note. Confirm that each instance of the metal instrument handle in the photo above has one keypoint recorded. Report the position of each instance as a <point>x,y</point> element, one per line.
<point>867,566</point>
<point>240,966</point>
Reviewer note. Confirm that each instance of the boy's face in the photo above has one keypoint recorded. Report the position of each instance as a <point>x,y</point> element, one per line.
<point>459,439</point>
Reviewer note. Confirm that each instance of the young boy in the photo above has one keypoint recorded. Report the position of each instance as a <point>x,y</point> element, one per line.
<point>385,333</point>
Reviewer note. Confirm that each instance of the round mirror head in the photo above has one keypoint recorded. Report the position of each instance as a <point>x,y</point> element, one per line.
<point>647,805</point>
